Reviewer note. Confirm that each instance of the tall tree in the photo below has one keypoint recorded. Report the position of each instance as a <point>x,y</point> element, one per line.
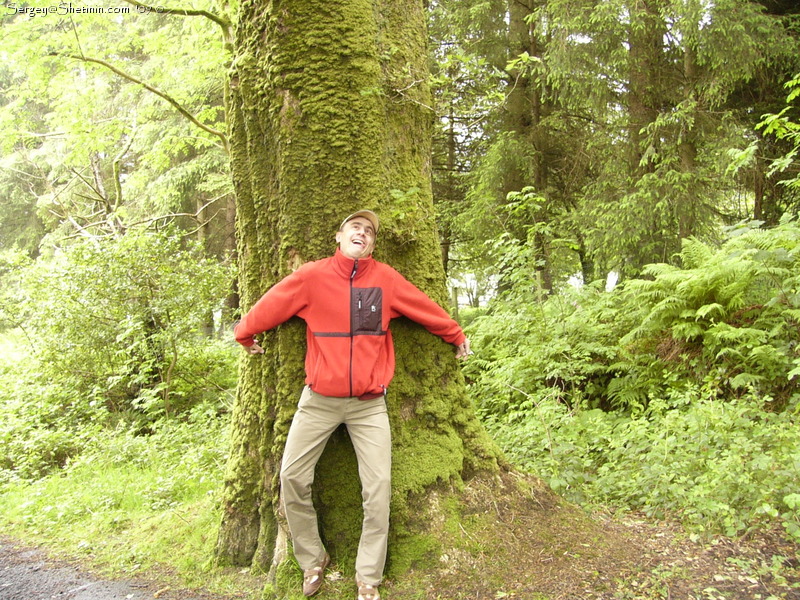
<point>526,169</point>
<point>664,72</point>
<point>330,111</point>
<point>146,147</point>
<point>762,95</point>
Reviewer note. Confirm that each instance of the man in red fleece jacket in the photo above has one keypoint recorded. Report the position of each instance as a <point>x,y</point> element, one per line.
<point>347,301</point>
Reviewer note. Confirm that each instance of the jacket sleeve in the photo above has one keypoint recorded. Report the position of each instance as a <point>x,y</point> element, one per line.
<point>409,301</point>
<point>281,302</point>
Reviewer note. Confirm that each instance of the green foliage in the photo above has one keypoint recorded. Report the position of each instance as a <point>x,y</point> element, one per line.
<point>42,424</point>
<point>114,320</point>
<point>562,346</point>
<point>113,331</point>
<point>728,319</point>
<point>129,501</point>
<point>12,264</point>
<point>621,121</point>
<point>87,150</point>
<point>718,466</point>
<point>785,125</point>
<point>676,394</point>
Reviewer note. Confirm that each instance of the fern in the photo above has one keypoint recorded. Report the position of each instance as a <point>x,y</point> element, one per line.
<point>726,322</point>
<point>695,253</point>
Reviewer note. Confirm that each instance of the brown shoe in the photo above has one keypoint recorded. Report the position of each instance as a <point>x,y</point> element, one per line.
<point>367,591</point>
<point>313,577</point>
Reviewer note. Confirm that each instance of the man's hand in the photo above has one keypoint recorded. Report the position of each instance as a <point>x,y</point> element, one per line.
<point>254,349</point>
<point>462,350</point>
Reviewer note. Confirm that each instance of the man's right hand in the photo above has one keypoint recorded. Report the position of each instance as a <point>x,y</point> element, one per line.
<point>254,349</point>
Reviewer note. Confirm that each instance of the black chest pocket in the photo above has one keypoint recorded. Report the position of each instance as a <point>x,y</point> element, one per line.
<point>366,310</point>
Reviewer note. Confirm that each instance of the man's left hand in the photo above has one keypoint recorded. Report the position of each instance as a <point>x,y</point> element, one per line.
<point>462,350</point>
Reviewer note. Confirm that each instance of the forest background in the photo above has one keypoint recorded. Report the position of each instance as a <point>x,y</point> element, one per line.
<point>617,192</point>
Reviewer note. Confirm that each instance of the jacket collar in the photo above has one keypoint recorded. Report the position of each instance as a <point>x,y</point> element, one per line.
<point>344,265</point>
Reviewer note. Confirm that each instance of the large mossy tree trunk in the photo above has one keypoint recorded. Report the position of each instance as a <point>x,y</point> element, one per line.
<point>330,112</point>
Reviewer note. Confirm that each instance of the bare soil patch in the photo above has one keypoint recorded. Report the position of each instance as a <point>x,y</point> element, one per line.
<point>534,546</point>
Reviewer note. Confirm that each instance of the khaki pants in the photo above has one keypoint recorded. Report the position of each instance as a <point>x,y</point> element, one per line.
<point>367,423</point>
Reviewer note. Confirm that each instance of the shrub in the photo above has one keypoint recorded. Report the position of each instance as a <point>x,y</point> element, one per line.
<point>677,394</point>
<point>42,425</point>
<point>719,466</point>
<point>113,337</point>
<point>122,320</point>
<point>728,319</point>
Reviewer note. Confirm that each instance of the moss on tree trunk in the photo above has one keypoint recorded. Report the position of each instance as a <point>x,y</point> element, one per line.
<point>330,112</point>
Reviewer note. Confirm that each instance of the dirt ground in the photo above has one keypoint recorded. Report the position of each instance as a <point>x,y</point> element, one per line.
<point>537,547</point>
<point>758,567</point>
<point>658,562</point>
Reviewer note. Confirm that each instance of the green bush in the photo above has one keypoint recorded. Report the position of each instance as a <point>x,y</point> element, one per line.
<point>719,466</point>
<point>677,394</point>
<point>121,320</point>
<point>112,334</point>
<point>564,346</point>
<point>728,319</point>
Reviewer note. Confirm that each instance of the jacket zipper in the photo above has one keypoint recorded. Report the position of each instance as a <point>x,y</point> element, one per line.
<point>352,317</point>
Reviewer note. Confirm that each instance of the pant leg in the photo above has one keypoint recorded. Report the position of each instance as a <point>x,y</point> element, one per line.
<point>368,425</point>
<point>315,420</point>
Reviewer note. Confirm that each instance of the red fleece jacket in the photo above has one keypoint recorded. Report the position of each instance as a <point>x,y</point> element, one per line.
<point>347,305</point>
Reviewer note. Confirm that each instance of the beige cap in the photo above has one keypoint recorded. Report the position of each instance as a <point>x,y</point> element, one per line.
<point>367,214</point>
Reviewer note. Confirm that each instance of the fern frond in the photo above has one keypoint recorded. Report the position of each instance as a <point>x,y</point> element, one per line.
<point>658,270</point>
<point>694,253</point>
<point>687,331</point>
<point>710,309</point>
<point>743,380</point>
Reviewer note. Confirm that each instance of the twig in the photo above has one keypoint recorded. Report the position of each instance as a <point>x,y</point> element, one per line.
<point>221,135</point>
<point>541,417</point>
<point>185,12</point>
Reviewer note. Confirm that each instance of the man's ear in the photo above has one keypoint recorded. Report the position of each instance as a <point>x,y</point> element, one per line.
<point>339,236</point>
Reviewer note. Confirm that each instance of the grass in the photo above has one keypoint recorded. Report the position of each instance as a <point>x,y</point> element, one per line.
<point>131,505</point>
<point>147,506</point>
<point>125,505</point>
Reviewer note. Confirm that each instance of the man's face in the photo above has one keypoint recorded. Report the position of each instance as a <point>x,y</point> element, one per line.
<point>357,238</point>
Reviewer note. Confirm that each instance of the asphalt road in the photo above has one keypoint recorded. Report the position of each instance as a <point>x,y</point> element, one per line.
<point>28,574</point>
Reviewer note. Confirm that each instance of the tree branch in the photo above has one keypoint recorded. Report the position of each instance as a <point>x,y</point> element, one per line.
<point>116,169</point>
<point>99,193</point>
<point>224,23</point>
<point>221,135</point>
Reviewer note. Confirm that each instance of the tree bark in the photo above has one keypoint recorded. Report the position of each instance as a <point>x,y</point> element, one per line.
<point>645,39</point>
<point>526,111</point>
<point>330,112</point>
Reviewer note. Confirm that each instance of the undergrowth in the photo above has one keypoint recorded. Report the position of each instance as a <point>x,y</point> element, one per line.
<point>676,393</point>
<point>720,467</point>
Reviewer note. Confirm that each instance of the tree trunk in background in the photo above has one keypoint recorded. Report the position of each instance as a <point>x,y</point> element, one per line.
<point>525,110</point>
<point>329,112</point>
<point>646,40</point>
<point>645,95</point>
<point>449,192</point>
